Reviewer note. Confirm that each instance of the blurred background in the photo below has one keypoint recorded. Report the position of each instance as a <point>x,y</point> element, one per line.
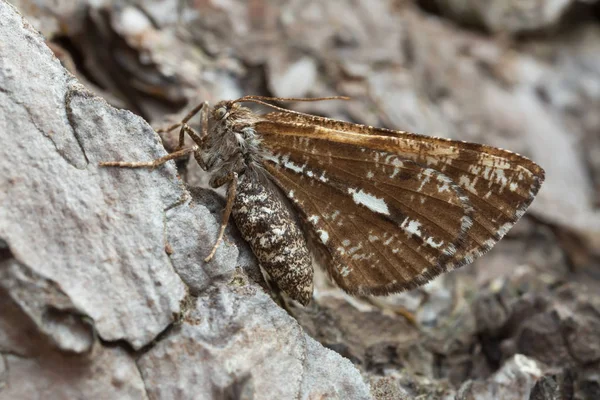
<point>522,75</point>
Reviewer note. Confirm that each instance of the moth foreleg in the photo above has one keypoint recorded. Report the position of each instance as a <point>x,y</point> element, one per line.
<point>231,190</point>
<point>149,164</point>
<point>198,138</point>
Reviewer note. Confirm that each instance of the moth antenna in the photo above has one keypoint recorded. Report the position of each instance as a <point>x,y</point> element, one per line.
<point>289,99</point>
<point>262,100</point>
<point>264,103</point>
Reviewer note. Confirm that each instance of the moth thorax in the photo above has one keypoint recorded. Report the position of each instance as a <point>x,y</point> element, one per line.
<point>246,139</point>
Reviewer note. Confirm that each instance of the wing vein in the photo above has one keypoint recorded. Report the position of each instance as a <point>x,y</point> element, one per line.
<point>405,245</point>
<point>365,278</point>
<point>388,262</point>
<point>373,222</point>
<point>398,201</point>
<point>313,199</point>
<point>320,155</point>
<point>510,217</point>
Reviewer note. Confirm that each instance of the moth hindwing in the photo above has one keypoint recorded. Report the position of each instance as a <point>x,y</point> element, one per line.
<point>388,209</point>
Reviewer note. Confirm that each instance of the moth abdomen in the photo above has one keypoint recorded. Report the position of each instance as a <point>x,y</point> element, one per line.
<point>274,236</point>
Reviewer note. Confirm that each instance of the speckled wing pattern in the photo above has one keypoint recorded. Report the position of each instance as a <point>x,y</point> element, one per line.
<point>394,209</point>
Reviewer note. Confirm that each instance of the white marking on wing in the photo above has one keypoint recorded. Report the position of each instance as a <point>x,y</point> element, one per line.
<point>272,158</point>
<point>345,271</point>
<point>397,163</point>
<point>474,169</point>
<point>296,168</point>
<point>486,172</point>
<point>445,183</point>
<point>354,249</point>
<point>432,160</point>
<point>489,243</point>
<point>324,236</point>
<point>373,238</point>
<point>500,178</point>
<point>428,173</point>
<point>466,182</point>
<point>323,178</point>
<point>373,203</point>
<point>465,223</point>
<point>411,227</point>
<point>432,243</point>
<point>357,257</point>
<point>504,228</point>
<point>450,250</point>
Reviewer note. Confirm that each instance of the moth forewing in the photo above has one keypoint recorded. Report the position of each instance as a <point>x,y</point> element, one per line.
<point>376,231</point>
<point>387,200</point>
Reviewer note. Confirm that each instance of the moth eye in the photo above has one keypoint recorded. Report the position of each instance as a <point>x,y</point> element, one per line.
<point>221,112</point>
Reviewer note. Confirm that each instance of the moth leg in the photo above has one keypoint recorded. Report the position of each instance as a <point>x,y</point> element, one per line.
<point>185,119</point>
<point>198,138</point>
<point>150,164</point>
<point>231,190</point>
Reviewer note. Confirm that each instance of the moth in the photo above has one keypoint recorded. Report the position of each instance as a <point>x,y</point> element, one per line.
<point>386,210</point>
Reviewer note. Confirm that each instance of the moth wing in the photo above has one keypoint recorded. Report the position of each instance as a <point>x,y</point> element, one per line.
<point>498,185</point>
<point>386,223</point>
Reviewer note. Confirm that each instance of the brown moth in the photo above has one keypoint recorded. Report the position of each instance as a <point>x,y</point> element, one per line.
<point>388,210</point>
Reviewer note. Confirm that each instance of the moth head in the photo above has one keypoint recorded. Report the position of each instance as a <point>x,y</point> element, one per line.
<point>221,110</point>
